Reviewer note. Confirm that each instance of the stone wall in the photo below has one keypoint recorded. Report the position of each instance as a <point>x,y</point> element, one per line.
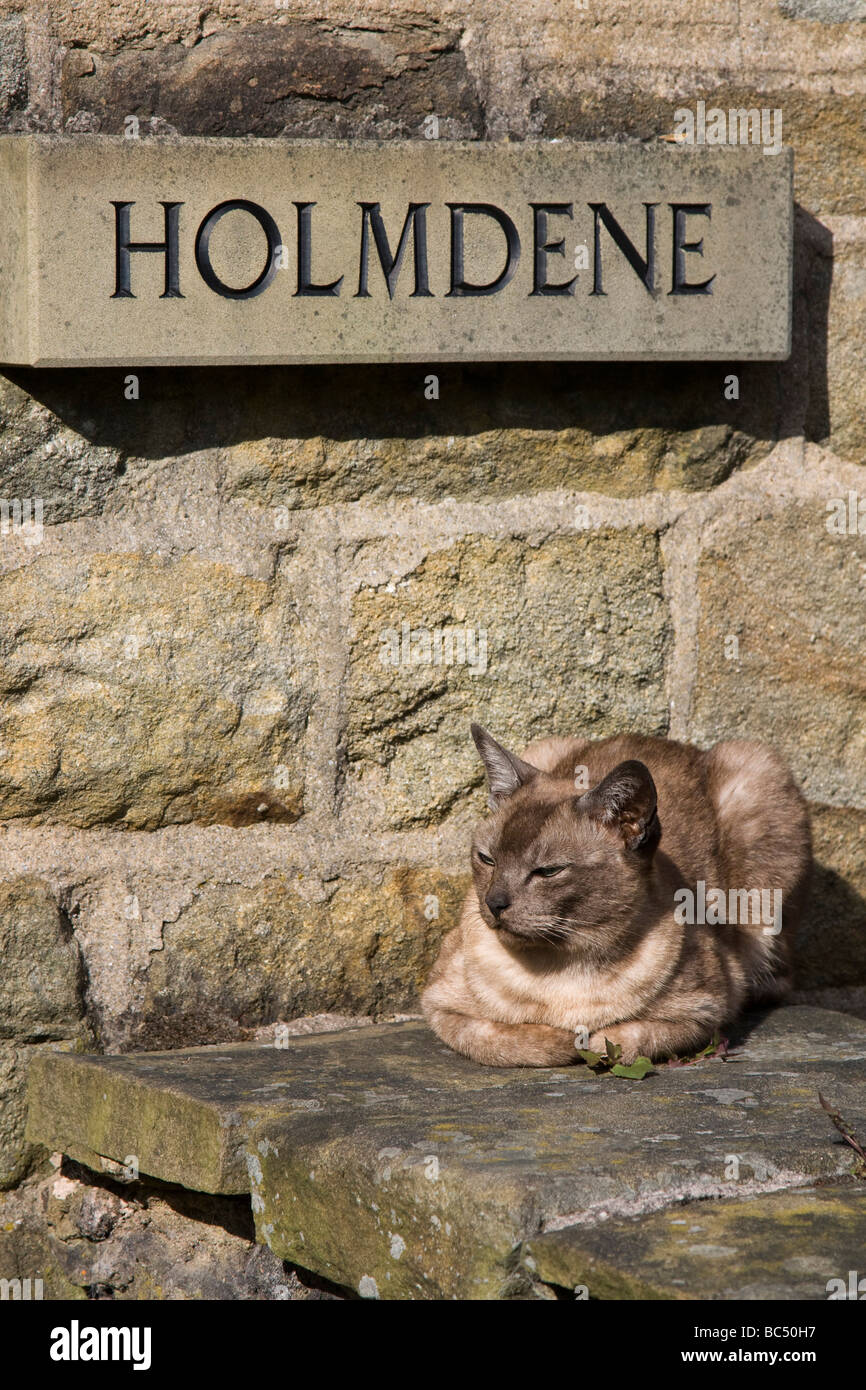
<point>220,808</point>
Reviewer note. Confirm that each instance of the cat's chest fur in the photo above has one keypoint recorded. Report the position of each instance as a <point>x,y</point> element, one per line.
<point>563,993</point>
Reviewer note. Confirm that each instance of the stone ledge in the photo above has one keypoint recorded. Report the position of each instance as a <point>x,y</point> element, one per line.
<point>789,1245</point>
<point>385,1163</point>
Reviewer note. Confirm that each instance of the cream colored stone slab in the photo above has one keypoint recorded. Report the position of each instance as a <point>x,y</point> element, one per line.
<point>70,295</point>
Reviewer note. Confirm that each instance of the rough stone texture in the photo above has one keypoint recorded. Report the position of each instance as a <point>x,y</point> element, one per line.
<point>831,947</point>
<point>237,959</point>
<point>291,79</point>
<point>387,1164</point>
<point>824,129</point>
<point>41,975</point>
<point>791,592</point>
<point>786,1246</point>
<point>848,999</point>
<point>17,1156</point>
<point>146,692</point>
<point>41,1005</point>
<point>41,457</point>
<point>321,436</point>
<point>488,438</point>
<point>88,1237</point>
<point>584,615</point>
<point>620,96</point>
<point>846,313</point>
<point>826,11</point>
<point>13,71</point>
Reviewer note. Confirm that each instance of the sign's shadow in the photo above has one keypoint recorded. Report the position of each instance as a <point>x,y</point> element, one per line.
<point>495,428</point>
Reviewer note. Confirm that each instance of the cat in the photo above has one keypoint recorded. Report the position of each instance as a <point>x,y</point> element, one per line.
<point>574,933</point>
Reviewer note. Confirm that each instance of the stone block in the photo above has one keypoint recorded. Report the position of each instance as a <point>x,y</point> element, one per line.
<point>143,691</point>
<point>387,1164</point>
<point>787,1245</point>
<point>788,592</point>
<point>299,251</point>
<point>567,635</point>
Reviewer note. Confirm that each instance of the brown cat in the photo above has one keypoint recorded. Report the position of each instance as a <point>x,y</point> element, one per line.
<point>580,927</point>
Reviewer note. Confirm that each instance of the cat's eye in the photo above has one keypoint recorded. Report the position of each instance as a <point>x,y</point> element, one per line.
<point>548,870</point>
<point>485,858</point>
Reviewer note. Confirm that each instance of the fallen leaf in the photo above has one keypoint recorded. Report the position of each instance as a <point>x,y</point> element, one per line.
<point>592,1059</point>
<point>640,1067</point>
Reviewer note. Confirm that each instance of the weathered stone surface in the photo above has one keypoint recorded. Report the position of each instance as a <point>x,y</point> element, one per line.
<point>145,692</point>
<point>824,130</point>
<point>576,632</point>
<point>25,1252</point>
<point>789,591</point>
<point>846,380</point>
<point>329,435</point>
<point>13,71</point>
<point>86,1236</point>
<point>239,958</point>
<point>831,944</point>
<point>826,11</point>
<point>41,1002</point>
<point>43,457</point>
<point>788,1245</point>
<point>18,1156</point>
<point>235,286</point>
<point>846,999</point>
<point>296,78</point>
<point>41,975</point>
<point>488,436</point>
<point>508,1155</point>
<point>386,1163</point>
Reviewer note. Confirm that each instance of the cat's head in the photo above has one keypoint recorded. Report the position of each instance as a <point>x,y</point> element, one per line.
<point>557,867</point>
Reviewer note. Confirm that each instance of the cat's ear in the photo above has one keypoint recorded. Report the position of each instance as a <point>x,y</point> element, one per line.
<point>626,801</point>
<point>505,771</point>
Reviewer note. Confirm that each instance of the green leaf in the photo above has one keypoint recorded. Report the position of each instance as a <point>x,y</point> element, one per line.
<point>613,1050</point>
<point>592,1059</point>
<point>640,1067</point>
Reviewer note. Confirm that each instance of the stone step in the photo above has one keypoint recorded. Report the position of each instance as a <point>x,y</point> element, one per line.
<point>381,1160</point>
<point>803,1244</point>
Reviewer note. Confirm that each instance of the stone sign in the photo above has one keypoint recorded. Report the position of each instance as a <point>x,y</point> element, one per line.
<point>130,252</point>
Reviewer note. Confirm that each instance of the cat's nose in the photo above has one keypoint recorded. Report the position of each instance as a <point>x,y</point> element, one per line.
<point>497,902</point>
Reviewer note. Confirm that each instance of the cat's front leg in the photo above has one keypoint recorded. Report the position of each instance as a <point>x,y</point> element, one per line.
<point>653,1038</point>
<point>504,1044</point>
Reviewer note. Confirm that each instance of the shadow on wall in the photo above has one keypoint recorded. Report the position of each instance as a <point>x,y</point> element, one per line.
<point>303,436</point>
<point>830,948</point>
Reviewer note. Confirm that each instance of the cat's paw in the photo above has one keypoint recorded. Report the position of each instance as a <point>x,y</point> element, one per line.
<point>631,1037</point>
